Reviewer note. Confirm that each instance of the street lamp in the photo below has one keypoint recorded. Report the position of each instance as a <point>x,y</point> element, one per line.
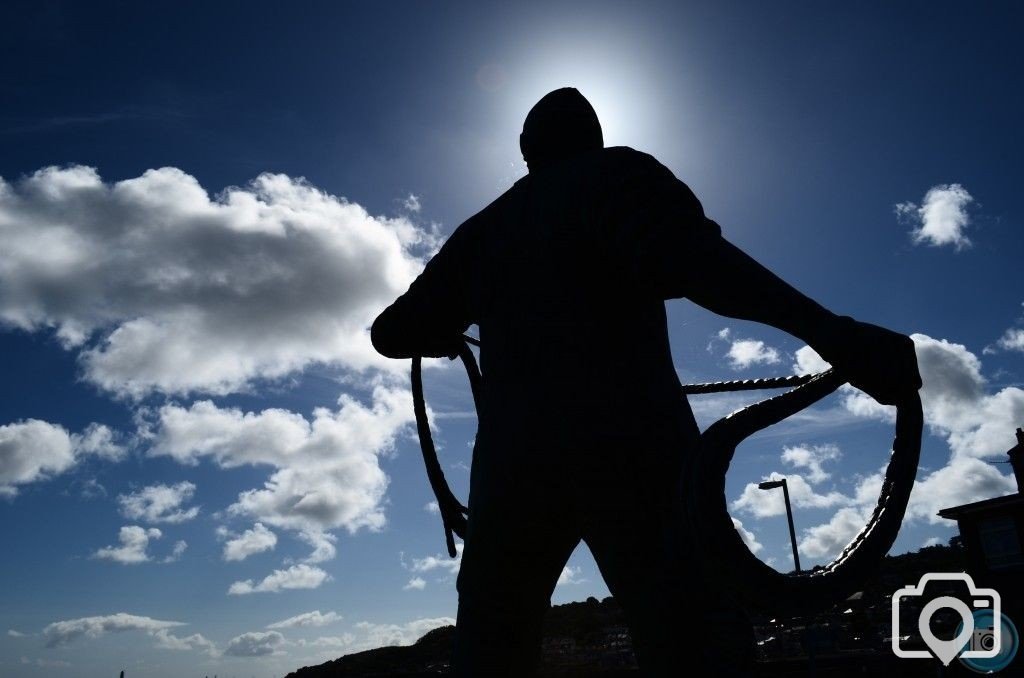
<point>771,485</point>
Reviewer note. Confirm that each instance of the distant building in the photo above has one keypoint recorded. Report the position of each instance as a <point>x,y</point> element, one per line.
<point>993,533</point>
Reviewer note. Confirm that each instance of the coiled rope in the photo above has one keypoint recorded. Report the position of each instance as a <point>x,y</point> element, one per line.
<point>726,558</point>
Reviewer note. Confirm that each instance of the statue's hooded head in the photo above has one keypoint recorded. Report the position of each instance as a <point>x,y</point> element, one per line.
<point>560,125</point>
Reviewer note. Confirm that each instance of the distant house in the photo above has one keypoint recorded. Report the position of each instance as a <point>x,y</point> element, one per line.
<point>992,531</point>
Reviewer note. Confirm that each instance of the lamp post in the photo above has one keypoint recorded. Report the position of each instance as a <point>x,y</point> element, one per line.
<point>771,485</point>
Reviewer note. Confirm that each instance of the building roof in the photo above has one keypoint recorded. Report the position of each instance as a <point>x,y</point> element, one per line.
<point>984,506</point>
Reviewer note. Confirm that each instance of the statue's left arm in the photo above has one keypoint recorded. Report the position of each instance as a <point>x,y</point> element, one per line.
<point>429,319</point>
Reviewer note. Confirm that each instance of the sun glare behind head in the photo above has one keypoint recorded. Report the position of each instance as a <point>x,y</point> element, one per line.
<point>615,81</point>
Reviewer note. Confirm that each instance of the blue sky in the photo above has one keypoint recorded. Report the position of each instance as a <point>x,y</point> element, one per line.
<point>203,207</point>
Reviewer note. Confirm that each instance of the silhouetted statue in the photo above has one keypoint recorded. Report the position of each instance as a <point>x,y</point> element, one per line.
<point>582,413</point>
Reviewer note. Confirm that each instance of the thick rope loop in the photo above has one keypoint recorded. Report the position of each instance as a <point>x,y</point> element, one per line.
<point>725,557</point>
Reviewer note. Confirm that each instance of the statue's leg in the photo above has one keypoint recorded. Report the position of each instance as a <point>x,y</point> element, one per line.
<point>520,535</point>
<point>680,625</point>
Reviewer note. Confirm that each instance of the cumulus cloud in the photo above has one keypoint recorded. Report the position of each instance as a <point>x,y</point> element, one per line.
<point>160,503</point>
<point>570,575</point>
<point>322,543</point>
<point>295,577</point>
<point>957,402</point>
<point>327,473</point>
<point>64,632</point>
<point>331,642</point>
<point>811,457</point>
<point>764,503</point>
<point>941,218</point>
<point>412,203</point>
<point>177,552</point>
<point>307,619</point>
<point>830,538</point>
<point>809,362</point>
<point>439,562</point>
<point>748,537</point>
<point>33,450</point>
<point>158,287</point>
<point>90,488</point>
<point>744,353</point>
<point>366,635</point>
<point>100,441</point>
<point>168,641</point>
<point>134,542</point>
<point>415,584</point>
<point>386,635</point>
<point>976,423</point>
<point>1012,340</point>
<point>256,540</point>
<point>255,644</point>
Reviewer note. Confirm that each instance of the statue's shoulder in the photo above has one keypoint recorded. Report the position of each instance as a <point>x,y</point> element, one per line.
<point>623,162</point>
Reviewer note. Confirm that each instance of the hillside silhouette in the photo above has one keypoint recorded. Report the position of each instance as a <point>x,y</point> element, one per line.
<point>590,639</point>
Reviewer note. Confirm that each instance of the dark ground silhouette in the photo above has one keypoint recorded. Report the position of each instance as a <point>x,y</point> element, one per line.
<point>590,639</point>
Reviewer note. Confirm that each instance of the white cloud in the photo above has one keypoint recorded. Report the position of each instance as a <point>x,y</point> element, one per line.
<point>1012,340</point>
<point>962,481</point>
<point>764,503</point>
<point>331,642</point>
<point>386,635</point>
<point>931,541</point>
<point>100,441</point>
<point>412,203</point>
<point>570,575</point>
<point>295,577</point>
<point>439,562</point>
<point>250,542</point>
<point>744,353</point>
<point>811,457</point>
<point>160,503</point>
<point>134,542</point>
<point>13,633</point>
<point>322,543</point>
<point>809,362</point>
<point>158,287</point>
<point>255,644</point>
<point>177,552</point>
<point>33,450</point>
<point>977,425</point>
<point>956,401</point>
<point>433,507</point>
<point>90,488</point>
<point>415,584</point>
<point>748,537</point>
<point>830,538</point>
<point>327,473</point>
<point>367,635</point>
<point>307,619</point>
<point>64,632</point>
<point>941,218</point>
<point>168,641</point>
